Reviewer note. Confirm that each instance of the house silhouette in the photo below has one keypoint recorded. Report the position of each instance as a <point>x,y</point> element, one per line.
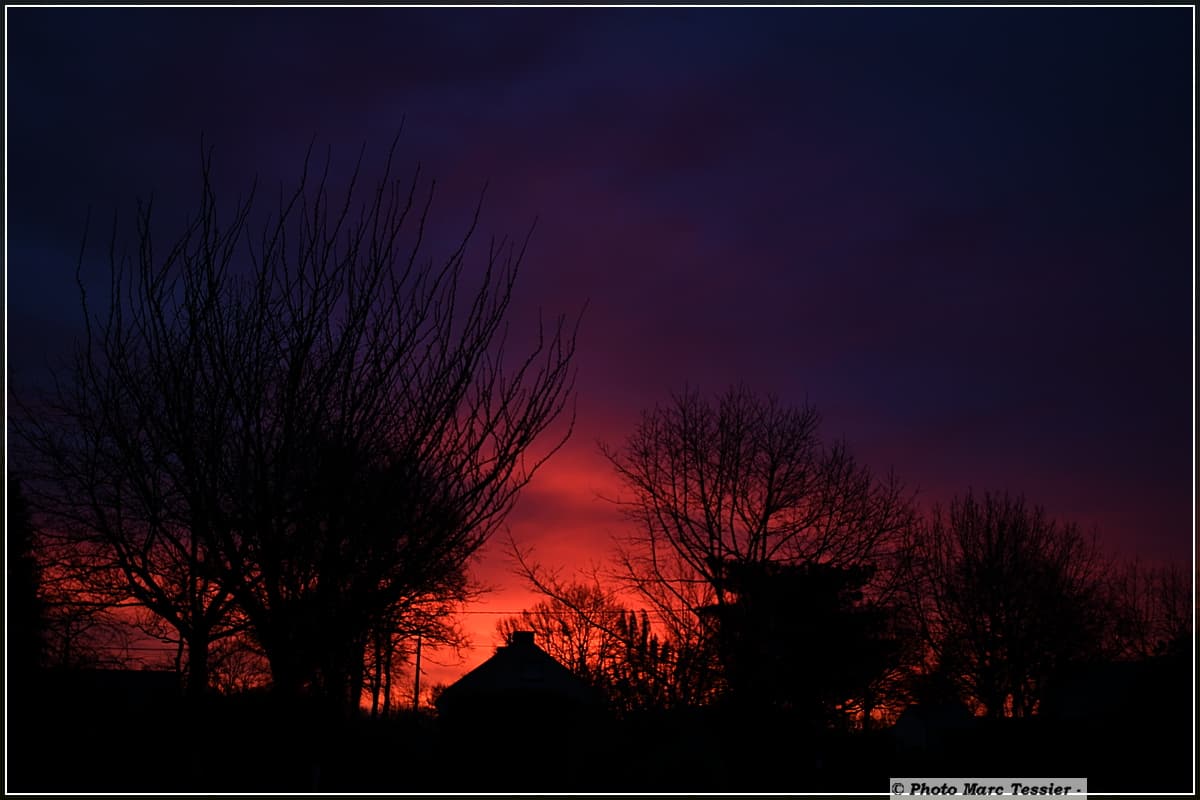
<point>521,678</point>
<point>519,702</point>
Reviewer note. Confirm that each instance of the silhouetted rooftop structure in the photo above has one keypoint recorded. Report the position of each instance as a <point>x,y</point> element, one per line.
<point>521,677</point>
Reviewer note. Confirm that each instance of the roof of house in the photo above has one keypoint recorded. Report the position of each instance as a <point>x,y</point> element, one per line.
<point>520,668</point>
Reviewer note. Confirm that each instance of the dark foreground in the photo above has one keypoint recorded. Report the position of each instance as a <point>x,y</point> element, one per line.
<point>97,742</point>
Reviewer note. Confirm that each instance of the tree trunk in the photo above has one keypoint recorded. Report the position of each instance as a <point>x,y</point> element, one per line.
<point>376,679</point>
<point>287,676</point>
<point>387,679</point>
<point>197,669</point>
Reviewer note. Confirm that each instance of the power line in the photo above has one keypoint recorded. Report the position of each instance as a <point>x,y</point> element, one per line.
<point>533,612</point>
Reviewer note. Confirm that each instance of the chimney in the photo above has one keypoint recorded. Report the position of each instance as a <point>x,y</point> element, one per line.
<point>521,639</point>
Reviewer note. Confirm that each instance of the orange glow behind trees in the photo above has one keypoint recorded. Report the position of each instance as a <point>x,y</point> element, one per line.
<point>305,435</point>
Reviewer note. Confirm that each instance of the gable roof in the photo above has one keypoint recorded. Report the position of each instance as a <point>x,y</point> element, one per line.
<point>518,669</point>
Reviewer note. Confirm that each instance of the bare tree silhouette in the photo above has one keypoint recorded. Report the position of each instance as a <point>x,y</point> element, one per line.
<point>63,612</point>
<point>1009,598</point>
<point>391,642</point>
<point>310,423</point>
<point>1153,609</point>
<point>744,480</point>
<point>577,627</point>
<point>636,663</point>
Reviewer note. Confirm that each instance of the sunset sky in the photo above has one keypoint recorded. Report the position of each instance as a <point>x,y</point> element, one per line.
<point>964,235</point>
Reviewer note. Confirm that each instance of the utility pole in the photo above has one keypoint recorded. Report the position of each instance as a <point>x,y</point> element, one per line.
<point>417,678</point>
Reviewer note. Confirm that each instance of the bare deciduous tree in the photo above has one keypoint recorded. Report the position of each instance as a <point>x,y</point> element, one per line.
<point>1152,608</point>
<point>1009,598</point>
<point>607,644</point>
<point>577,628</point>
<point>237,665</point>
<point>748,480</point>
<point>418,620</point>
<point>314,426</point>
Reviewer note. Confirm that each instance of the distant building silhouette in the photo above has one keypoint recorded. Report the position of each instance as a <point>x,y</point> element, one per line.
<point>517,704</point>
<point>521,678</point>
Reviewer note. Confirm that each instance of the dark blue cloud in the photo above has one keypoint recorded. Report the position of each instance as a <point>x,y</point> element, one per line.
<point>964,233</point>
